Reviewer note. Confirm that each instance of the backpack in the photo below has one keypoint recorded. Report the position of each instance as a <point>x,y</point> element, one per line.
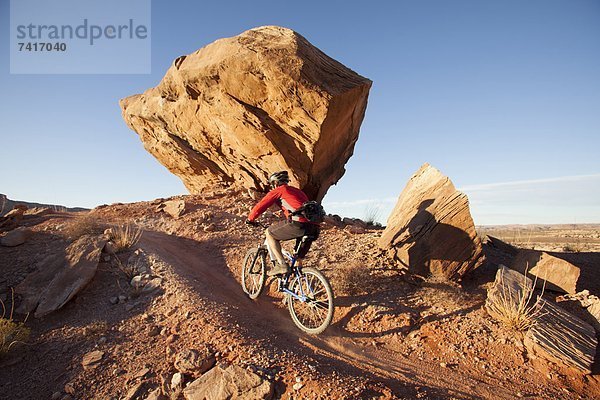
<point>312,211</point>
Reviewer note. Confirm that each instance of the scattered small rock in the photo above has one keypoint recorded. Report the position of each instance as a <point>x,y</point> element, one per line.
<point>195,362</point>
<point>92,359</point>
<point>177,381</point>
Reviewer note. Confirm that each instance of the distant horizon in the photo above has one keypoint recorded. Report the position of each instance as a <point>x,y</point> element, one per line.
<point>378,219</point>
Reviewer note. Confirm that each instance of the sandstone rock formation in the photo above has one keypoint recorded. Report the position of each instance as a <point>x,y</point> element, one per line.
<point>559,336</point>
<point>430,230</point>
<point>555,273</point>
<point>556,335</point>
<point>61,276</point>
<point>242,107</point>
<point>590,302</point>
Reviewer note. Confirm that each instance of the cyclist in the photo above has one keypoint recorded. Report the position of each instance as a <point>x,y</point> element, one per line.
<point>289,199</point>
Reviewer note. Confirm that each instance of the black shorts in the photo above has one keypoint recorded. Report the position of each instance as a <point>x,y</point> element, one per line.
<point>286,230</point>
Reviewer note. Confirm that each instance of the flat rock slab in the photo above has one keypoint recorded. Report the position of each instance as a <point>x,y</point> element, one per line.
<point>430,230</point>
<point>61,276</point>
<point>559,336</point>
<point>556,273</point>
<point>228,383</point>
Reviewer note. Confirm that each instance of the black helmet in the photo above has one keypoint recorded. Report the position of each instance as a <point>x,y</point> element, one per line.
<point>279,178</point>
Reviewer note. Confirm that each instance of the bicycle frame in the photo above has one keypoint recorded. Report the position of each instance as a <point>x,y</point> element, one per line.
<point>296,267</point>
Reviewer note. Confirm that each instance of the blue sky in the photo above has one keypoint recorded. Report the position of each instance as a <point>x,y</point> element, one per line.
<point>501,96</point>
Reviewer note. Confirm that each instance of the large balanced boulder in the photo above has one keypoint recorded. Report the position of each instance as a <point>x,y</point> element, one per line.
<point>242,107</point>
<point>430,230</point>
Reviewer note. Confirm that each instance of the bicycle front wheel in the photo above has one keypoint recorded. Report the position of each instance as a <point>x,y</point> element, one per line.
<point>312,310</point>
<point>254,273</point>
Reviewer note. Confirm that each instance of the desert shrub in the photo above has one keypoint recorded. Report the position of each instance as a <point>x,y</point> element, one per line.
<point>125,236</point>
<point>516,309</point>
<point>85,224</point>
<point>573,248</point>
<point>11,332</point>
<point>351,280</point>
<point>128,268</point>
<point>133,266</point>
<point>371,215</point>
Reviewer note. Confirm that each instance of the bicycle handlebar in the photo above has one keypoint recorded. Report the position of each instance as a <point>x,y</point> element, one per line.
<point>256,224</point>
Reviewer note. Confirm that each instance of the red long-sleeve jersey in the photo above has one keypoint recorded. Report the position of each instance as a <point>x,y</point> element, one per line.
<point>287,197</point>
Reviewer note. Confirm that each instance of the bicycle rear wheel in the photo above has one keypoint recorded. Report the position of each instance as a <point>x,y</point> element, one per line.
<point>254,273</point>
<point>315,313</point>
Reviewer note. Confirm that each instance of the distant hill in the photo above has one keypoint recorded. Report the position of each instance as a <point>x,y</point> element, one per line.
<point>7,204</point>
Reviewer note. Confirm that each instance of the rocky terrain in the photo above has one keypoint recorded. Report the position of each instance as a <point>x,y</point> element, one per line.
<point>143,300</point>
<point>393,336</point>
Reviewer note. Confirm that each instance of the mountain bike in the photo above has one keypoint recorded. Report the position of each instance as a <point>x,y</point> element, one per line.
<point>306,290</point>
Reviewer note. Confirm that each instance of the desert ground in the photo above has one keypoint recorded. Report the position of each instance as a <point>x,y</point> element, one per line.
<point>392,336</point>
<point>569,238</point>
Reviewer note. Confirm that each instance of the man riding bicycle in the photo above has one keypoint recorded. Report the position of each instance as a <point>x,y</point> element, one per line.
<point>289,199</point>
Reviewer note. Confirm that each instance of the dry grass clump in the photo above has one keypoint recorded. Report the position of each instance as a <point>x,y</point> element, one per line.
<point>573,248</point>
<point>124,236</point>
<point>11,332</point>
<point>351,280</point>
<point>372,215</point>
<point>515,307</point>
<point>85,224</point>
